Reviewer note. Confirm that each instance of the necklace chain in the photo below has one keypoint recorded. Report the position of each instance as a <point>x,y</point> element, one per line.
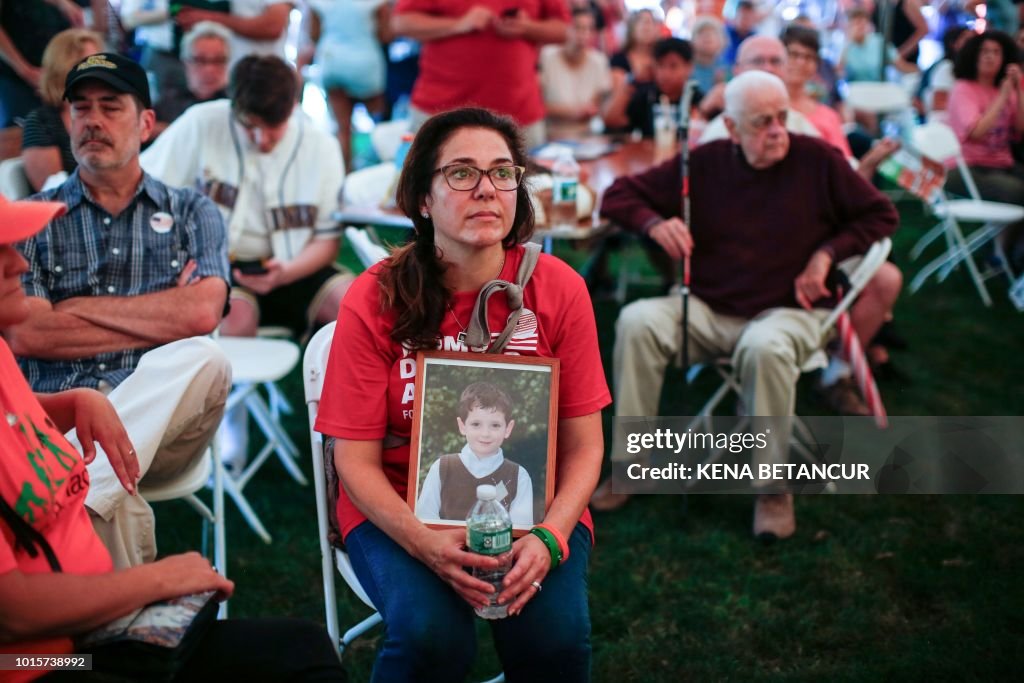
<point>462,334</point>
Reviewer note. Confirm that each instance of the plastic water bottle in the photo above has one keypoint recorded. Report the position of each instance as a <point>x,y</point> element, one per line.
<point>565,183</point>
<point>403,150</point>
<point>489,532</point>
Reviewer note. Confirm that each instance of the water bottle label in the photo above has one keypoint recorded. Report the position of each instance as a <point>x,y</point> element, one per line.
<point>489,542</point>
<point>564,190</point>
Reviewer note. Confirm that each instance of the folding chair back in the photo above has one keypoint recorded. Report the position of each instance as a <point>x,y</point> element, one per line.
<point>185,487</point>
<point>938,142</point>
<point>858,272</point>
<point>878,97</point>
<point>367,251</point>
<point>332,558</point>
<point>386,138</point>
<point>14,183</point>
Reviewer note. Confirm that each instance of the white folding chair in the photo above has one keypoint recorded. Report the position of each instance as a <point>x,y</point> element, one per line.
<point>257,362</point>
<point>386,138</point>
<point>859,272</point>
<point>13,181</point>
<point>185,487</point>
<point>938,142</point>
<point>882,98</point>
<point>367,251</point>
<point>372,186</point>
<point>332,558</point>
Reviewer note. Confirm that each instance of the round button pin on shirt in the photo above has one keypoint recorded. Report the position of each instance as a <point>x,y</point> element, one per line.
<point>161,222</point>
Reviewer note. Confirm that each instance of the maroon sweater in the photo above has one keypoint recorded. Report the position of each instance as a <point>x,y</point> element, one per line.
<point>755,230</point>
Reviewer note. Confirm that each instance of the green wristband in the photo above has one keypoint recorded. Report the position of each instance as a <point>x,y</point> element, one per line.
<point>549,540</point>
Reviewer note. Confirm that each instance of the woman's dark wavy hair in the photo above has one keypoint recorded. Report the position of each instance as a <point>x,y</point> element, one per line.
<point>966,65</point>
<point>412,279</point>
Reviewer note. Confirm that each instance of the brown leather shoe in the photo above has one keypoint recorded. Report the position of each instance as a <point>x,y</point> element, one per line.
<point>773,516</point>
<point>844,398</point>
<point>604,500</point>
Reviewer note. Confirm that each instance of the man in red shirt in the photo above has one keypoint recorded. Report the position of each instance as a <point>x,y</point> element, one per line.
<point>483,53</point>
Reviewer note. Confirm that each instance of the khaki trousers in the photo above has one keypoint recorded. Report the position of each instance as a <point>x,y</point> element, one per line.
<point>767,352</point>
<point>171,407</point>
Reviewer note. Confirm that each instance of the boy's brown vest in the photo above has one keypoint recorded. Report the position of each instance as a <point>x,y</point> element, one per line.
<point>458,486</point>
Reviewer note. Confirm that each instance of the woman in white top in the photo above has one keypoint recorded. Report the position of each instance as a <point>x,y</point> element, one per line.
<point>574,79</point>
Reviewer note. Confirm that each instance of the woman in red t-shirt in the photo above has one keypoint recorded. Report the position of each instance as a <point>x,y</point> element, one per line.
<point>461,186</point>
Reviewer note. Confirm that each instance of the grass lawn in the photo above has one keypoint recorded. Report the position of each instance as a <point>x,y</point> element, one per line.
<point>871,587</point>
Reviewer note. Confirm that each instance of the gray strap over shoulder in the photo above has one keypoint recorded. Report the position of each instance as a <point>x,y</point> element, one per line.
<point>479,335</point>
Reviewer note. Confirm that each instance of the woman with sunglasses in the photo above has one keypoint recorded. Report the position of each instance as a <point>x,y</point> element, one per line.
<point>462,187</point>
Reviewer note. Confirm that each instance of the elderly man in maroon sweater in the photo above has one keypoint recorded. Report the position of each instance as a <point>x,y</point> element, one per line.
<point>771,212</point>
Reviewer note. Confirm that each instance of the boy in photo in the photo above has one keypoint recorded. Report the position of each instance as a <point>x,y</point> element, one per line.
<point>449,489</point>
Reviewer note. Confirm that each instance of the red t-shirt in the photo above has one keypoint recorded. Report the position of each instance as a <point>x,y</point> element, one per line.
<point>368,389</point>
<point>45,481</point>
<point>481,68</point>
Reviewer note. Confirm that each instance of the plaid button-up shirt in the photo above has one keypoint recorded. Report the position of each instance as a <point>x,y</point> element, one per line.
<point>88,252</point>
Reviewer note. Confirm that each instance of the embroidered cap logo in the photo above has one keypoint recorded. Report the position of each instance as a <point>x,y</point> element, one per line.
<point>96,60</point>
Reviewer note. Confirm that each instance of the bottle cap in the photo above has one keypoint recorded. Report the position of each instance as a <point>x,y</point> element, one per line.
<point>486,492</point>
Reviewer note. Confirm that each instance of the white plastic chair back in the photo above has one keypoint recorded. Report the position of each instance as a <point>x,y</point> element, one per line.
<point>13,181</point>
<point>938,142</point>
<point>370,186</point>
<point>314,367</point>
<point>367,251</point>
<point>386,138</point>
<point>859,278</point>
<point>877,97</point>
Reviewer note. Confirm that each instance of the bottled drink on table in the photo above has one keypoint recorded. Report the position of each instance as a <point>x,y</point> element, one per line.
<point>489,532</point>
<point>403,150</point>
<point>566,180</point>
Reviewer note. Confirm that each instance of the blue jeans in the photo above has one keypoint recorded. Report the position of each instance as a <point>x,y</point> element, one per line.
<point>429,630</point>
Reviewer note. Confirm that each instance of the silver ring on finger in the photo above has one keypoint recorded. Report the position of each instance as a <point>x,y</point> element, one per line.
<point>536,584</point>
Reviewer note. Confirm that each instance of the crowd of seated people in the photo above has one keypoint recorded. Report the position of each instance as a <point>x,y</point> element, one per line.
<point>225,223</point>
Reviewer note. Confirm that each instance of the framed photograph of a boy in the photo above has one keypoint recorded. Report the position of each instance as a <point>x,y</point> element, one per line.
<point>482,419</point>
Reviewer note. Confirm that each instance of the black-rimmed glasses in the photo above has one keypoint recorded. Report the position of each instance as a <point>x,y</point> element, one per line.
<point>464,178</point>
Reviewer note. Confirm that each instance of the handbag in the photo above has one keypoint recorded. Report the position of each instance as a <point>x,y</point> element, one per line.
<point>151,643</point>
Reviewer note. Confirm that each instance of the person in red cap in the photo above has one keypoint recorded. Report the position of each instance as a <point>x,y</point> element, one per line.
<point>123,289</point>
<point>57,580</point>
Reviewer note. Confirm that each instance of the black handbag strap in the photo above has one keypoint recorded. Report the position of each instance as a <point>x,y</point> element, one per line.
<point>28,537</point>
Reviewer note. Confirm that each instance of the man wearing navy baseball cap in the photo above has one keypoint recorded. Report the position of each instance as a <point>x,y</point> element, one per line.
<point>122,290</point>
